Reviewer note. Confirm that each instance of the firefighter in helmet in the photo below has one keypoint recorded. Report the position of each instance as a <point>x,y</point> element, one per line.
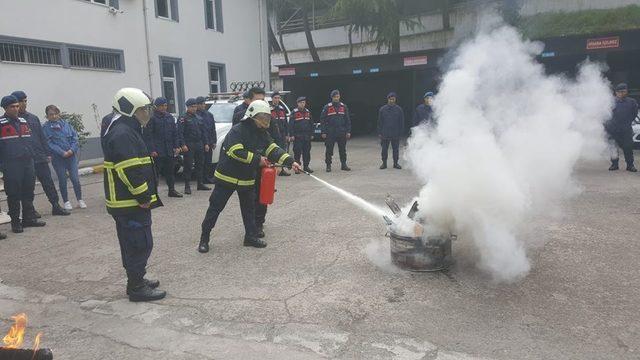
<point>130,188</point>
<point>247,148</point>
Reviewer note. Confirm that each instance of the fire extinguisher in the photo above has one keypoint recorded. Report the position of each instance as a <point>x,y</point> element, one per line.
<point>267,185</point>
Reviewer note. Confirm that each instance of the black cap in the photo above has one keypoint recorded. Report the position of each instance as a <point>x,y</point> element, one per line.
<point>275,93</point>
<point>301,98</point>
<point>191,102</point>
<point>622,87</point>
<point>8,100</point>
<point>201,100</point>
<point>19,94</point>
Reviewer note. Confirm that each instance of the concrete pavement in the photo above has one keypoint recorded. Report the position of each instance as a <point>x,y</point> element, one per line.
<point>315,293</point>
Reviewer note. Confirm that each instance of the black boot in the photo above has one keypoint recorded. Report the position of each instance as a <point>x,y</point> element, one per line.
<point>16,227</point>
<point>253,241</point>
<point>202,187</point>
<point>138,290</point>
<point>209,181</point>
<point>187,189</point>
<point>260,234</point>
<point>57,210</point>
<point>203,247</point>
<point>3,236</point>
<point>33,223</point>
<point>614,165</point>
<point>174,194</point>
<point>328,167</point>
<point>307,169</point>
<point>36,215</point>
<point>383,166</point>
<point>150,283</point>
<point>397,166</point>
<point>631,168</point>
<point>345,167</point>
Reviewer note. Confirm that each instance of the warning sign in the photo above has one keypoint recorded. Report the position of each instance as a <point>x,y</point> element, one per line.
<point>603,43</point>
<point>415,60</point>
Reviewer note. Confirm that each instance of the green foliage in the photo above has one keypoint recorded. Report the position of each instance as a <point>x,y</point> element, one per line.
<point>75,120</point>
<point>580,22</point>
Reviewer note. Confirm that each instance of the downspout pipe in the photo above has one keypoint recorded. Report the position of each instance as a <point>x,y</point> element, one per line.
<point>145,14</point>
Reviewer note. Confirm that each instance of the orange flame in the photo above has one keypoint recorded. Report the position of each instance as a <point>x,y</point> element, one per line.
<point>15,337</point>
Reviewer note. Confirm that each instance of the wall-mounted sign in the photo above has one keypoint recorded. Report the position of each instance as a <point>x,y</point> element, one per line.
<point>548,54</point>
<point>314,74</point>
<point>416,60</point>
<point>357,71</point>
<point>603,43</point>
<point>374,70</point>
<point>287,72</point>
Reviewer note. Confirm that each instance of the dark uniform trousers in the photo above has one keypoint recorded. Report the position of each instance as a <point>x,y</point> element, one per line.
<point>194,155</point>
<point>624,139</point>
<point>166,166</point>
<point>208,164</point>
<point>19,184</point>
<point>330,142</point>
<point>218,200</point>
<point>136,241</point>
<point>43,173</point>
<point>395,145</point>
<point>302,148</point>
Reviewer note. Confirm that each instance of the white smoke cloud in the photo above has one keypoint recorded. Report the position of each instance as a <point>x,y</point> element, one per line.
<point>507,141</point>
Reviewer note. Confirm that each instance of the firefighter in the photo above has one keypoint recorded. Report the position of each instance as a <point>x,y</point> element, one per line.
<point>210,127</point>
<point>16,155</point>
<point>165,135</point>
<point>301,133</point>
<point>130,189</point>
<point>390,129</point>
<point>279,124</point>
<point>619,128</point>
<point>247,148</point>
<point>336,128</point>
<point>424,112</point>
<point>41,157</point>
<point>194,142</point>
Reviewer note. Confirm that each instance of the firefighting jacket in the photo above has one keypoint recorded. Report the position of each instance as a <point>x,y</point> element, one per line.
<point>129,177</point>
<point>335,120</point>
<point>15,140</point>
<point>191,131</point>
<point>301,124</point>
<point>241,152</point>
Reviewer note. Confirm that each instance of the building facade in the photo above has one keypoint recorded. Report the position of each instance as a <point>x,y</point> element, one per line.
<point>78,53</point>
<point>353,63</point>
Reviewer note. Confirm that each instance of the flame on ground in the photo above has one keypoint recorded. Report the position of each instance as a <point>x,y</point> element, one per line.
<point>15,337</point>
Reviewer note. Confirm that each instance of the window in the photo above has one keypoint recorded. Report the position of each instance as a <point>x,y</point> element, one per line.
<point>167,9</point>
<point>112,3</point>
<point>103,2</point>
<point>96,59</point>
<point>171,79</point>
<point>30,54</point>
<point>216,78</point>
<point>213,14</point>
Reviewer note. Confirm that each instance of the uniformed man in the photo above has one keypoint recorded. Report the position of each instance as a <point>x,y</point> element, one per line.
<point>194,142</point>
<point>336,128</point>
<point>424,112</point>
<point>390,130</point>
<point>301,133</point>
<point>16,156</point>
<point>165,136</point>
<point>240,110</point>
<point>279,124</point>
<point>41,157</point>
<point>210,126</point>
<point>619,128</point>
<point>130,189</point>
<point>246,149</point>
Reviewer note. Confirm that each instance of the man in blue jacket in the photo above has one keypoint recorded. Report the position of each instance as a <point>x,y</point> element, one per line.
<point>619,128</point>
<point>209,123</point>
<point>390,130</point>
<point>41,155</point>
<point>336,128</point>
<point>424,112</point>
<point>16,156</point>
<point>194,142</point>
<point>165,135</point>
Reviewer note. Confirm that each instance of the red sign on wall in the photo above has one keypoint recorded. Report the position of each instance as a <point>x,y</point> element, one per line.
<point>287,72</point>
<point>415,60</point>
<point>603,43</point>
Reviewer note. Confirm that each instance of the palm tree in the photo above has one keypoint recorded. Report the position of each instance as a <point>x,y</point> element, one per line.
<point>304,7</point>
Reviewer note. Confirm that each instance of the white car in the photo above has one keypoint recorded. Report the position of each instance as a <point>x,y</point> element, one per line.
<point>222,111</point>
<point>636,132</point>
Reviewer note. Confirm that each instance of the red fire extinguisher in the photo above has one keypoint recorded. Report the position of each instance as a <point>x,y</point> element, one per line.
<point>267,185</point>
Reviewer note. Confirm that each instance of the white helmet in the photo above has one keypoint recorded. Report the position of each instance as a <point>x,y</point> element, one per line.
<point>257,107</point>
<point>128,100</point>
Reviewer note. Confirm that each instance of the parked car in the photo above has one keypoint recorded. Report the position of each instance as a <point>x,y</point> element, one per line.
<point>636,132</point>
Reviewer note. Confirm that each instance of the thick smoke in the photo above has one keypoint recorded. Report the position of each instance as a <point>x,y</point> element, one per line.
<point>507,141</point>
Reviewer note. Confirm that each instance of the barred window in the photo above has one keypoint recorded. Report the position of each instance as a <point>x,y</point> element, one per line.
<point>95,59</point>
<point>30,54</point>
